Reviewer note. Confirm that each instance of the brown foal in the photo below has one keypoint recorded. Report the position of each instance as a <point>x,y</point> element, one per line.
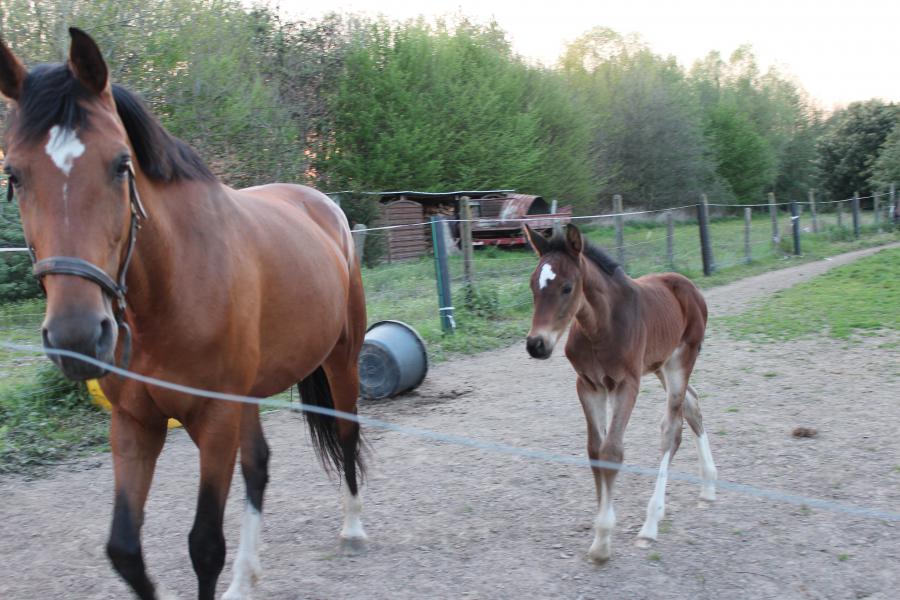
<point>621,329</point>
<point>246,292</point>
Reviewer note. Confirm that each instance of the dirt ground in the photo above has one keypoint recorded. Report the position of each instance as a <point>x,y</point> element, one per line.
<point>451,522</point>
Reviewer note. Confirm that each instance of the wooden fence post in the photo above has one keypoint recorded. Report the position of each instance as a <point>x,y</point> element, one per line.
<point>705,245</point>
<point>773,212</point>
<point>876,208</point>
<point>895,212</point>
<point>619,221</point>
<point>855,207</point>
<point>465,238</point>
<point>670,240</point>
<point>795,227</point>
<point>839,205</point>
<point>812,211</point>
<point>748,220</point>
<point>359,241</point>
<point>442,274</point>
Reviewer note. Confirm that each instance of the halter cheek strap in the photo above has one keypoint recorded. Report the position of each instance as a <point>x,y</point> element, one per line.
<point>69,265</point>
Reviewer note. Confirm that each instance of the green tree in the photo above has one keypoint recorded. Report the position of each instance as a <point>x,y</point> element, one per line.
<point>745,159</point>
<point>848,150</point>
<point>886,168</point>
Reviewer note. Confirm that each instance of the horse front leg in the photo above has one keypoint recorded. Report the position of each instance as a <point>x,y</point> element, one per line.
<point>136,444</point>
<point>215,431</point>
<point>620,403</point>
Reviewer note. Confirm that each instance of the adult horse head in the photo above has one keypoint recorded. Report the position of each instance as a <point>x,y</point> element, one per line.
<point>239,291</point>
<point>70,164</point>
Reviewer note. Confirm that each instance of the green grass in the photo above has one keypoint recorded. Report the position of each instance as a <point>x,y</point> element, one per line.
<point>858,298</point>
<point>45,420</point>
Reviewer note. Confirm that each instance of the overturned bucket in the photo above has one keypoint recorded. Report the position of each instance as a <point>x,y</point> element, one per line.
<point>392,360</point>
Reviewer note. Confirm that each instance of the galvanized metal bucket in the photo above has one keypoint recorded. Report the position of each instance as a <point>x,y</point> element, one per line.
<point>392,360</point>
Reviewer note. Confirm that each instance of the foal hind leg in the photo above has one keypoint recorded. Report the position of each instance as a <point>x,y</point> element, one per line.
<point>707,466</point>
<point>675,373</point>
<point>254,466</point>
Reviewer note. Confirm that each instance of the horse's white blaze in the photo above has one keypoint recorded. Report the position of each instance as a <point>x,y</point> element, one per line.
<point>547,275</point>
<point>656,508</point>
<point>707,468</point>
<point>603,526</point>
<point>353,527</point>
<point>247,569</point>
<point>63,147</point>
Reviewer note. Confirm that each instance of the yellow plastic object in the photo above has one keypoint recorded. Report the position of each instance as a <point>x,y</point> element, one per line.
<point>98,398</point>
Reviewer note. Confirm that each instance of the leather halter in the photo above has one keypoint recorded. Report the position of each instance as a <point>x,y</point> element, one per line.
<point>69,265</point>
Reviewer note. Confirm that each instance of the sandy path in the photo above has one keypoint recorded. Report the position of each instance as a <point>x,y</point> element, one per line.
<point>452,522</point>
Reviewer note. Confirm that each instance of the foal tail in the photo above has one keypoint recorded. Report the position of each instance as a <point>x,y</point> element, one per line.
<point>323,428</point>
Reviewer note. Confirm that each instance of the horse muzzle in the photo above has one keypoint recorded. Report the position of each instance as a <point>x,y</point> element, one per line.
<point>538,347</point>
<point>93,335</point>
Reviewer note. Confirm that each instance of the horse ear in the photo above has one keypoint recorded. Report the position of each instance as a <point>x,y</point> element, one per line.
<point>538,243</point>
<point>12,73</point>
<point>86,62</point>
<point>574,242</point>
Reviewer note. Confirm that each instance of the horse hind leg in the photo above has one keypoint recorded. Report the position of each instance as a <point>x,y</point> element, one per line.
<point>246,568</point>
<point>707,466</point>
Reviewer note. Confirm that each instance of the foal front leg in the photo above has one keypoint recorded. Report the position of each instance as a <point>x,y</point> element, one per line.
<point>619,402</point>
<point>216,434</point>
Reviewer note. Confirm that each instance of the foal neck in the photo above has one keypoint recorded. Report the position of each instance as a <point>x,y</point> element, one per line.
<point>601,294</point>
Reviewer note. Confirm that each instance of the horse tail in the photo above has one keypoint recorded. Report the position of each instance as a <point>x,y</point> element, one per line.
<point>323,428</point>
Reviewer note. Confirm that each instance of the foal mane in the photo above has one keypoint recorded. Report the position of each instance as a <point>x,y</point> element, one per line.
<point>52,95</point>
<point>590,250</point>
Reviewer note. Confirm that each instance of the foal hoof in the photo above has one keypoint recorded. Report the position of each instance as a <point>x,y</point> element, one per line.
<point>643,542</point>
<point>353,546</point>
<point>599,553</point>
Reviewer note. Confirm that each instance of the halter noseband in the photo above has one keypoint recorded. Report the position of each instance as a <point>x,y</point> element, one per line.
<point>69,265</point>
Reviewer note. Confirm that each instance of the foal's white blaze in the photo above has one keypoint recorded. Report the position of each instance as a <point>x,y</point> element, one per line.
<point>707,469</point>
<point>353,527</point>
<point>603,526</point>
<point>247,569</point>
<point>63,147</point>
<point>656,508</point>
<point>547,275</point>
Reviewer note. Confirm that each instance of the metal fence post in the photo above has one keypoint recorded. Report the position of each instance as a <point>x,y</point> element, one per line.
<point>705,246</point>
<point>619,221</point>
<point>855,207</point>
<point>773,212</point>
<point>795,226</point>
<point>670,240</point>
<point>748,220</point>
<point>442,274</point>
<point>812,211</point>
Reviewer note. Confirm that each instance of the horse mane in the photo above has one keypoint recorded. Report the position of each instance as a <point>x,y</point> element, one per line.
<point>52,95</point>
<point>592,251</point>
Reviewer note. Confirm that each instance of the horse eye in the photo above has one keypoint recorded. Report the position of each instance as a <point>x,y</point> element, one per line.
<point>122,168</point>
<point>567,288</point>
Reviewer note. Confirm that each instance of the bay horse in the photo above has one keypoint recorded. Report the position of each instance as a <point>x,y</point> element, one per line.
<point>241,291</point>
<point>621,329</point>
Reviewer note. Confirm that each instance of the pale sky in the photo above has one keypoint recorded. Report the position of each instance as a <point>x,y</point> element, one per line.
<point>838,51</point>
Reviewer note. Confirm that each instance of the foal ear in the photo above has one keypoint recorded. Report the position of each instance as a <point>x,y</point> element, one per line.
<point>12,73</point>
<point>86,62</point>
<point>574,242</point>
<point>539,243</point>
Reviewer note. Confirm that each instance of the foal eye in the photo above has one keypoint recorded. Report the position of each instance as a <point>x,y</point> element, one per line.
<point>567,288</point>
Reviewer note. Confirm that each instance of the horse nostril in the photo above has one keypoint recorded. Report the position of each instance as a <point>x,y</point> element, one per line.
<point>106,339</point>
<point>45,336</point>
